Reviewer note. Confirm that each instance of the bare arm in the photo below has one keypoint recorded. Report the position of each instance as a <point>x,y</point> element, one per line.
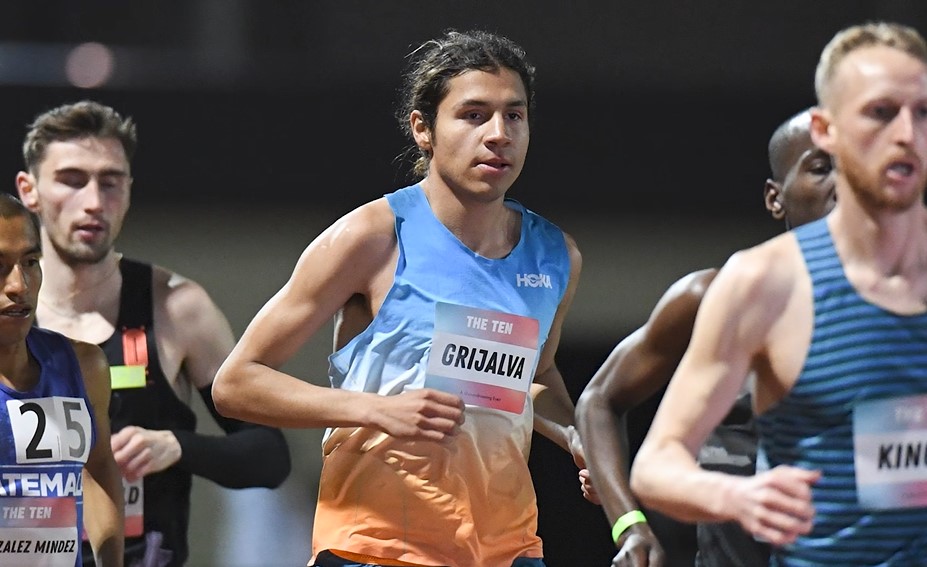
<point>348,259</point>
<point>637,368</point>
<point>103,494</point>
<point>747,308</point>
<point>194,337</point>
<point>553,407</point>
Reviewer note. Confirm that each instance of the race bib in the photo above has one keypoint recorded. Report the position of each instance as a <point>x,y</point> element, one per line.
<point>50,430</point>
<point>38,532</point>
<point>486,357</point>
<point>890,452</point>
<point>135,507</point>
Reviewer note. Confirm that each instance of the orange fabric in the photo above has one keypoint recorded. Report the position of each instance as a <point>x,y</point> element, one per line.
<point>469,501</point>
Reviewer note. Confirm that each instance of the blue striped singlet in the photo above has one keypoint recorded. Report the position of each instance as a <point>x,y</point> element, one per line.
<point>860,354</point>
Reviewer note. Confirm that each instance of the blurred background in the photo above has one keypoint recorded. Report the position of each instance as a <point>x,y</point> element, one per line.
<point>261,122</point>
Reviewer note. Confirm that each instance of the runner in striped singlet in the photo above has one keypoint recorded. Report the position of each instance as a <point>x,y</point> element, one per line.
<point>832,319</point>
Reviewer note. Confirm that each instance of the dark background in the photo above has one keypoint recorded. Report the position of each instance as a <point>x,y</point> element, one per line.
<point>260,122</point>
<point>277,102</point>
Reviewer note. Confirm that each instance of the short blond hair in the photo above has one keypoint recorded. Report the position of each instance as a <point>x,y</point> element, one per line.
<point>848,40</point>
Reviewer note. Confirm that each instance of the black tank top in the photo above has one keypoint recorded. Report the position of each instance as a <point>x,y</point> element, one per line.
<point>156,406</point>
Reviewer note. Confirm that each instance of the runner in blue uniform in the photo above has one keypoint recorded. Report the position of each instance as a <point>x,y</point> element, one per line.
<point>58,476</point>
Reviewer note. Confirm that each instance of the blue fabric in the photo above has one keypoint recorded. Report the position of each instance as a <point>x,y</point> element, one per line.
<point>60,377</point>
<point>859,352</point>
<point>388,356</point>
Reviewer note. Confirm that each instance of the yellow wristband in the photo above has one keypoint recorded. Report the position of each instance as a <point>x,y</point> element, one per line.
<point>625,522</point>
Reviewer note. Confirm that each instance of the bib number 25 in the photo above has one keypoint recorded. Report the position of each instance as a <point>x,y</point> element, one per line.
<point>47,430</point>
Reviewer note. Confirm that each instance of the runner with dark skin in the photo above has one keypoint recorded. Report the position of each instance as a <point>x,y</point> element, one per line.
<point>800,190</point>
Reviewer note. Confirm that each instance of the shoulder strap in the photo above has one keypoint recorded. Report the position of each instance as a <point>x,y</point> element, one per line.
<point>130,344</point>
<point>135,310</point>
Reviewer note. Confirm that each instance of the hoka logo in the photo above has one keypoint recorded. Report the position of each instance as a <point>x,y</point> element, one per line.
<point>533,280</point>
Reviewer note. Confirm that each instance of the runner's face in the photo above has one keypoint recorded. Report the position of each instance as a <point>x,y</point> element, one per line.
<point>20,276</point>
<point>480,138</point>
<point>808,190</point>
<point>878,126</point>
<point>81,195</point>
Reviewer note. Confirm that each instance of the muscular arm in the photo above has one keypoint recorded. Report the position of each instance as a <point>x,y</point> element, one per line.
<point>103,494</point>
<point>355,257</point>
<point>553,407</point>
<point>637,368</point>
<point>749,306</point>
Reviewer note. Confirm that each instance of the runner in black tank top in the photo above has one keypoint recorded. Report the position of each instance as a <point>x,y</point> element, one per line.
<point>165,495</point>
<point>78,182</point>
